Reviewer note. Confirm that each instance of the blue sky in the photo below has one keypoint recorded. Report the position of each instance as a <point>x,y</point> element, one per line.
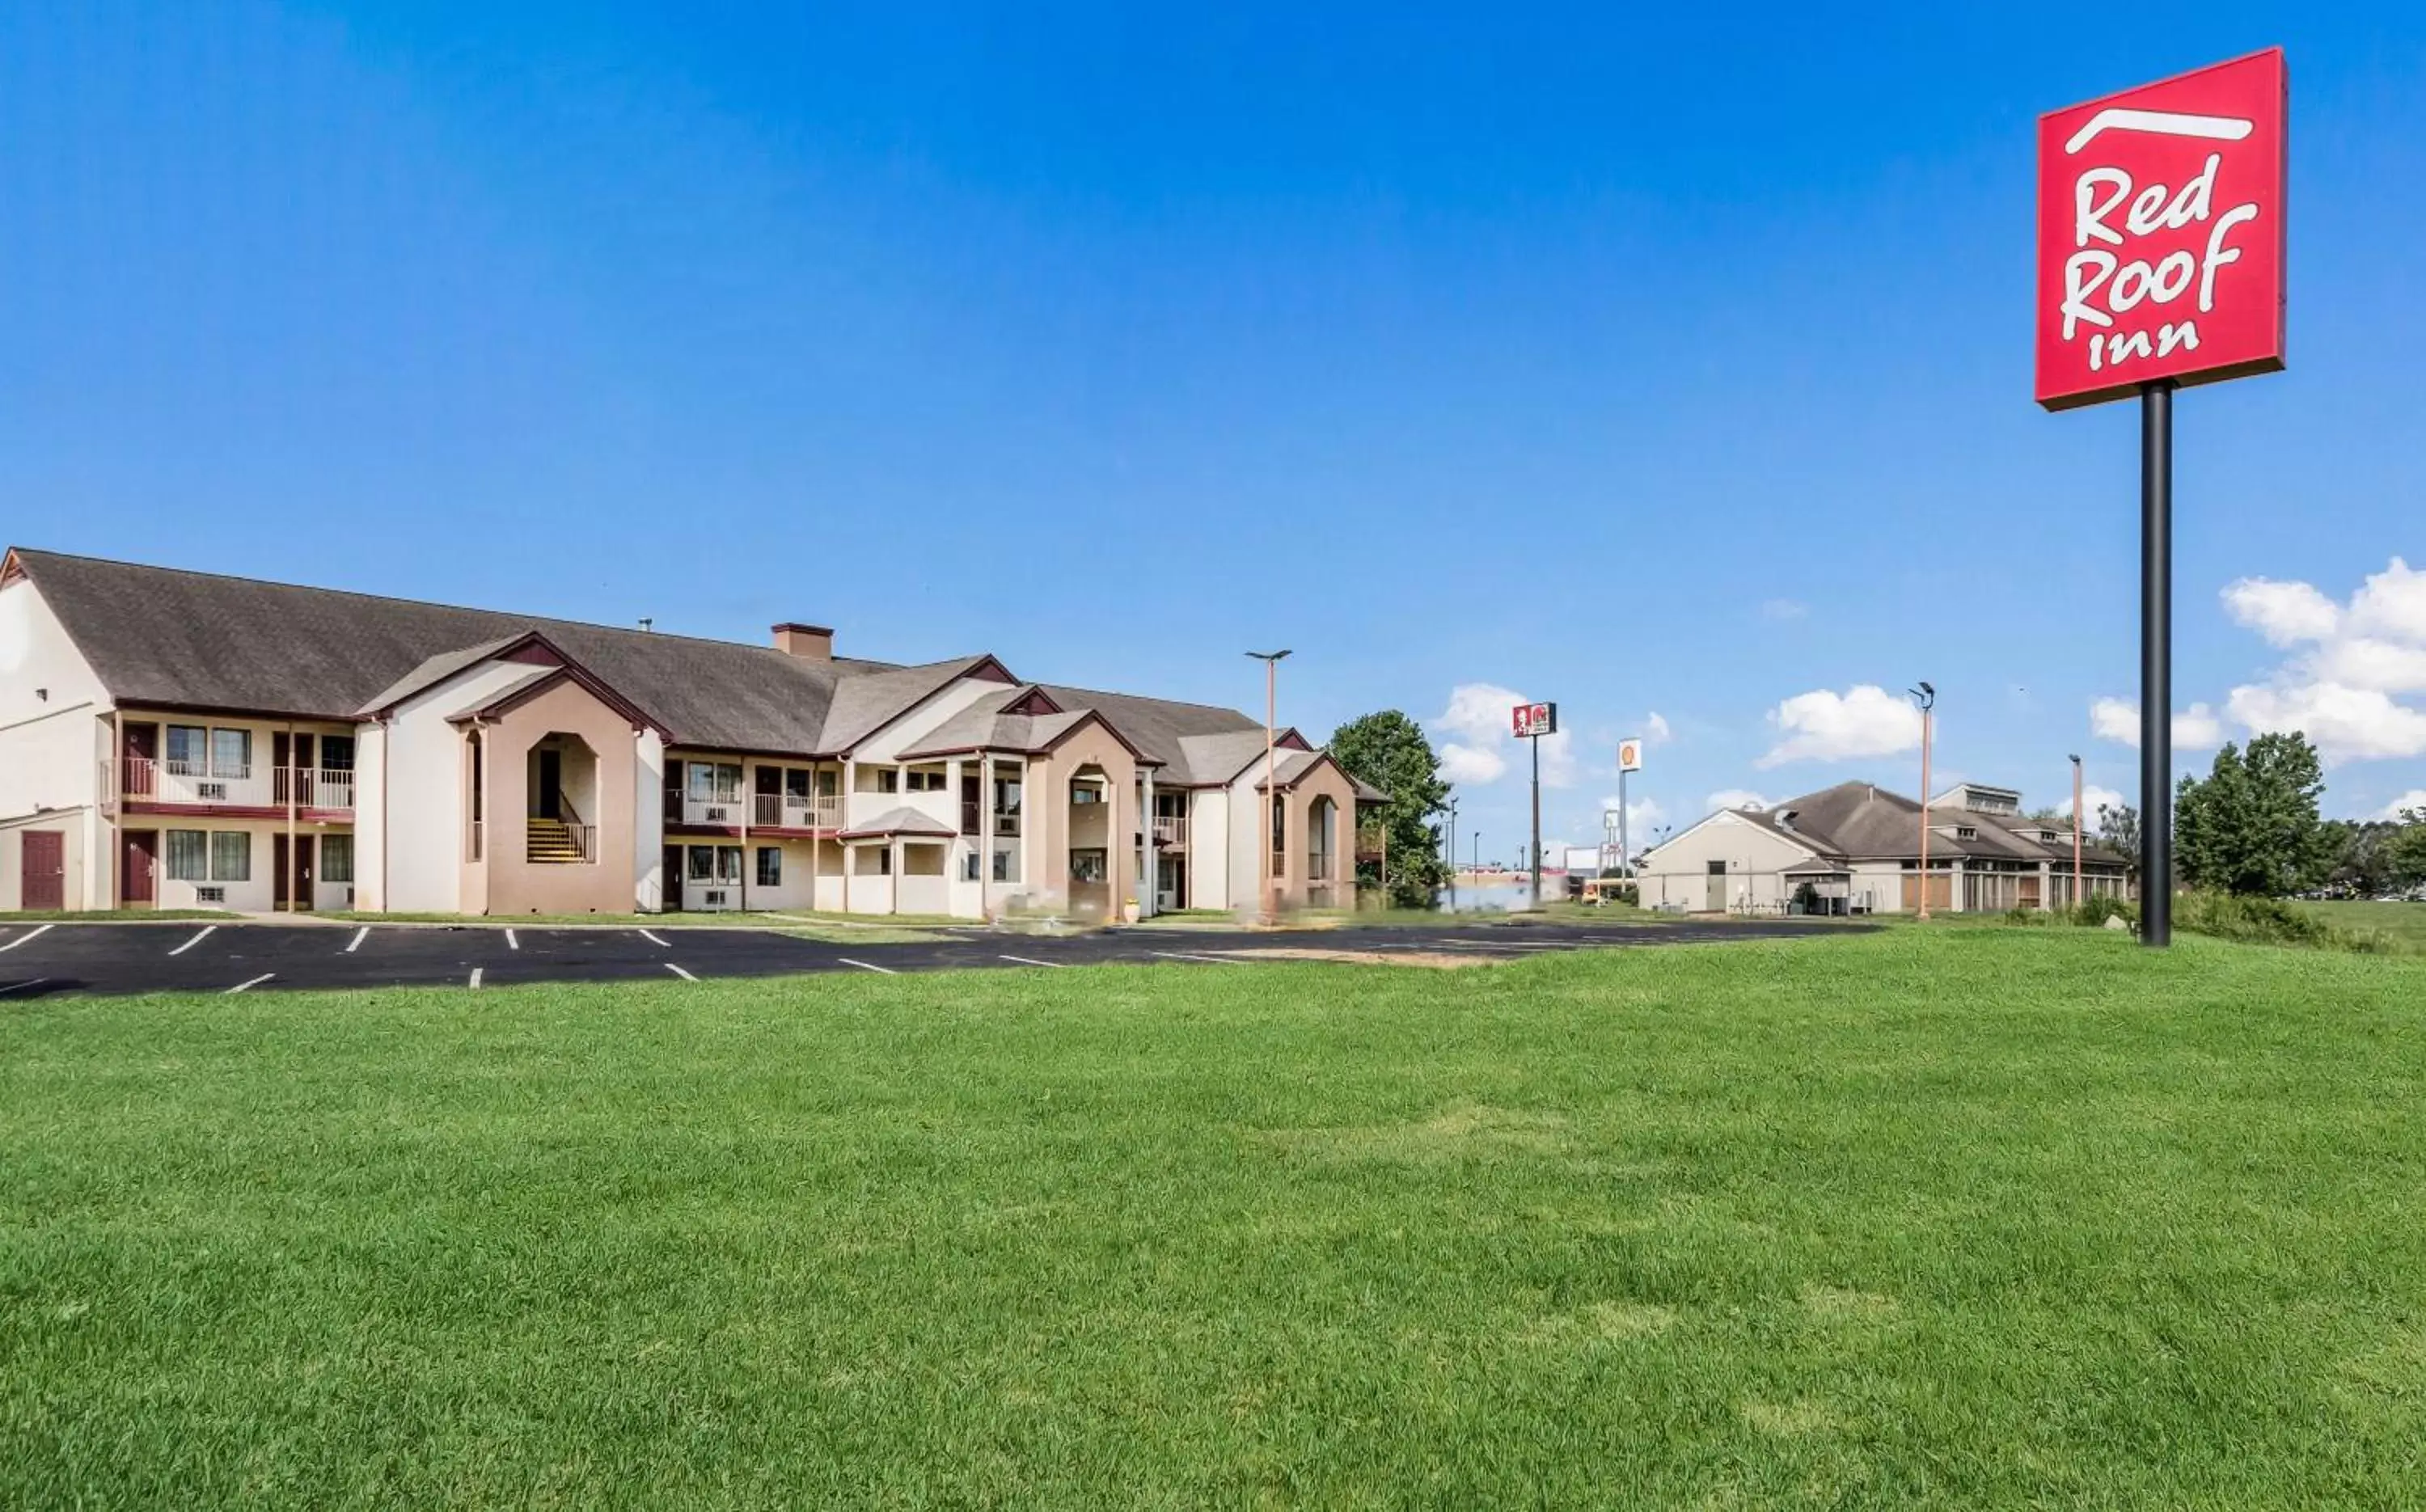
<point>1673,362</point>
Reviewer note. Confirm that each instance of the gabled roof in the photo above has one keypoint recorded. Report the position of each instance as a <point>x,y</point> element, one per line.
<point>901,821</point>
<point>865,703</point>
<point>1862,821</point>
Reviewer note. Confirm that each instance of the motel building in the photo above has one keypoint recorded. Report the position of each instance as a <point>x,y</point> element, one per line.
<point>1855,848</point>
<point>181,740</point>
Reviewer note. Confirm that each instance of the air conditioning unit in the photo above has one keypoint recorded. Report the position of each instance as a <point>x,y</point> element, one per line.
<point>714,816</point>
<point>713,900</point>
<point>210,894</point>
<point>207,792</point>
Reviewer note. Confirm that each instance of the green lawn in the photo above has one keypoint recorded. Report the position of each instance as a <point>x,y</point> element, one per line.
<point>1931,1218</point>
<point>2403,922</point>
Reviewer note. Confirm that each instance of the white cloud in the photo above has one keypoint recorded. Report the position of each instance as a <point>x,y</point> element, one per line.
<point>2093,798</point>
<point>1486,748</point>
<point>1783,609</point>
<point>2284,613</point>
<point>2345,723</point>
<point>1641,814</point>
<point>1738,797</point>
<point>2393,604</point>
<point>1655,730</point>
<point>2196,728</point>
<point>2339,691</point>
<point>1826,726</point>
<point>2399,806</point>
<point>1471,766</point>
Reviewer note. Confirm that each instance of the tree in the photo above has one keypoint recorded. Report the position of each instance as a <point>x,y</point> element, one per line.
<point>2404,853</point>
<point>2250,826</point>
<point>1389,751</point>
<point>2118,830</point>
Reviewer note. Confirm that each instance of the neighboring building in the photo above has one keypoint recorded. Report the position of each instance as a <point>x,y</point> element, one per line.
<point>1855,848</point>
<point>178,739</point>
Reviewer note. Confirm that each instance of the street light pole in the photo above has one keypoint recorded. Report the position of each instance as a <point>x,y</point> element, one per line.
<point>1451,850</point>
<point>2077,820</point>
<point>1926,697</point>
<point>1271,660</point>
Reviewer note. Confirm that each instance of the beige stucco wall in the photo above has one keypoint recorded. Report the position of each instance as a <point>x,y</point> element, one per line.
<point>73,852</point>
<point>423,766</point>
<point>514,885</point>
<point>53,733</point>
<point>1048,806</point>
<point>1300,890</point>
<point>1678,872</point>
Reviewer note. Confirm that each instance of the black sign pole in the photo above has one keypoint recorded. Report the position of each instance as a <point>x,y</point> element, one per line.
<point>2156,664</point>
<point>1537,821</point>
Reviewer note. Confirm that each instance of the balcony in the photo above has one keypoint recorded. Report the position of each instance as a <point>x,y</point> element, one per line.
<point>323,788</point>
<point>1170,829</point>
<point>195,783</point>
<point>794,810</point>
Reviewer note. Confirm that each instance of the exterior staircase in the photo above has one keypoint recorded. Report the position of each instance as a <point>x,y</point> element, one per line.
<point>552,843</point>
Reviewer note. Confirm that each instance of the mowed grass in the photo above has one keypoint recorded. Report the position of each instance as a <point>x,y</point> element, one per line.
<point>1947,1218</point>
<point>2402,922</point>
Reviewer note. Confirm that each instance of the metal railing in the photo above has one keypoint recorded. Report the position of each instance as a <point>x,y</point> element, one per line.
<point>791,811</point>
<point>312,787</point>
<point>1170,829</point>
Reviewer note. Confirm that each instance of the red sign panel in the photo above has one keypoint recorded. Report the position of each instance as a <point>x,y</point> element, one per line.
<point>2161,233</point>
<point>1536,720</point>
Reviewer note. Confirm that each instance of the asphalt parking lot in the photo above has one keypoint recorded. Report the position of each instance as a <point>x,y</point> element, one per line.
<point>39,960</point>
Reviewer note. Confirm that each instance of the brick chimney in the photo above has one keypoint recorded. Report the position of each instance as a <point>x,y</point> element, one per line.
<point>811,643</point>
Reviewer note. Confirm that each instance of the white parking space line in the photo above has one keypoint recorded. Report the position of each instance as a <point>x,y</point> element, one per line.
<point>38,930</point>
<point>512,943</point>
<point>655,941</point>
<point>207,930</point>
<point>679,972</point>
<point>880,971</point>
<point>1026,961</point>
<point>242,987</point>
<point>356,943</point>
<point>475,974</point>
<point>20,986</point>
<point>1181,954</point>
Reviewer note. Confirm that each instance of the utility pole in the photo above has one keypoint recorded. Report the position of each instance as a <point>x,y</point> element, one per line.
<point>1926,697</point>
<point>1271,660</point>
<point>2077,820</point>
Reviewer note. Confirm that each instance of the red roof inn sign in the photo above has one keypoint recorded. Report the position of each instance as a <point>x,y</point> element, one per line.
<point>2161,234</point>
<point>2160,266</point>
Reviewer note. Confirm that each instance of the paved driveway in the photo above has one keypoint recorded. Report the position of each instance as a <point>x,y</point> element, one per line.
<point>41,960</point>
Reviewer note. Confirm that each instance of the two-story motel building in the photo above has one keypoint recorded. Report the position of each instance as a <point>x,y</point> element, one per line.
<point>176,739</point>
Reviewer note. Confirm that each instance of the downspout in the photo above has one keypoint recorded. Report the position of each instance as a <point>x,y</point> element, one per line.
<point>294,870</point>
<point>117,794</point>
<point>749,799</point>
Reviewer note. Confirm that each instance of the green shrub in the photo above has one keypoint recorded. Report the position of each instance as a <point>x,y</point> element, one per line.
<point>2092,912</point>
<point>2259,920</point>
<point>2028,916</point>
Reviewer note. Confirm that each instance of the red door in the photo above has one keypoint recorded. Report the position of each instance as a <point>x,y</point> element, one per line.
<point>142,745</point>
<point>138,881</point>
<point>299,873</point>
<point>45,873</point>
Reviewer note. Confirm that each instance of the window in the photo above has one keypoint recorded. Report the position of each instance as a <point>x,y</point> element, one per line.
<point>186,750</point>
<point>230,856</point>
<point>871,860</point>
<point>715,782</point>
<point>714,864</point>
<point>189,856</point>
<point>795,784</point>
<point>829,782</point>
<point>1085,793</point>
<point>927,779</point>
<point>1006,864</point>
<point>969,866</point>
<point>1963,831</point>
<point>336,858</point>
<point>232,753</point>
<point>922,861</point>
<point>770,867</point>
<point>1006,806</point>
<point>879,780</point>
<point>1089,866</point>
<point>336,753</point>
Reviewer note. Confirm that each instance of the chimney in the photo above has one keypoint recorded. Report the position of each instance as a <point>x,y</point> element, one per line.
<point>809,643</point>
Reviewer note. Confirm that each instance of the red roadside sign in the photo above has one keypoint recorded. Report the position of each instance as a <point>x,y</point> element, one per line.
<point>2161,233</point>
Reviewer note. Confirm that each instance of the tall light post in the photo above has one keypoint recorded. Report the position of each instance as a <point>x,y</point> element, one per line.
<point>1451,850</point>
<point>2077,820</point>
<point>1271,660</point>
<point>1926,697</point>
